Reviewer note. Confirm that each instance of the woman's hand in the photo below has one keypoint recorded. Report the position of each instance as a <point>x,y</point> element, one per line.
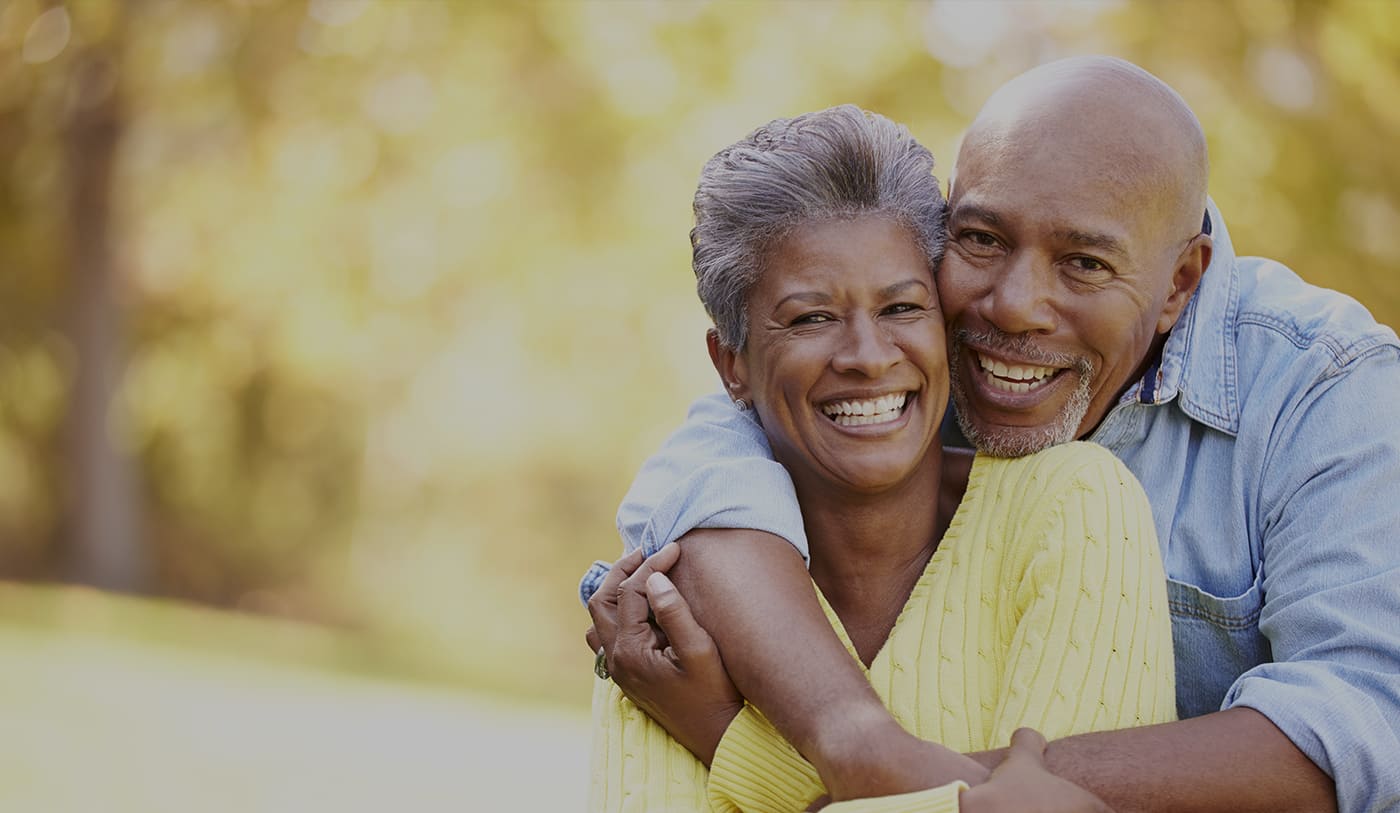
<point>669,667</point>
<point>1023,784</point>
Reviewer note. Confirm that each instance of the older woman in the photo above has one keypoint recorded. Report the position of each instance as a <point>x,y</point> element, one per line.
<point>1037,601</point>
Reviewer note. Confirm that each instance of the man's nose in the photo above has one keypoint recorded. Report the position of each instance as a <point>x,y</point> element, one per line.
<point>1019,299</point>
<point>867,349</point>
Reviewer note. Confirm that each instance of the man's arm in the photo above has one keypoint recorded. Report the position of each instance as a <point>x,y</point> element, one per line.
<point>1233,760</point>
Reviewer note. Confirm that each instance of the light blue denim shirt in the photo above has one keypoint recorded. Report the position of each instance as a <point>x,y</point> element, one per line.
<point>1268,441</point>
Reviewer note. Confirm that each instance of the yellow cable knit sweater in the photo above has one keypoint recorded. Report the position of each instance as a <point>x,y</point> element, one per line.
<point>1044,606</point>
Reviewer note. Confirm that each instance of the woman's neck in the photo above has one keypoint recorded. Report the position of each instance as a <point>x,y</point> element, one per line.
<point>868,550</point>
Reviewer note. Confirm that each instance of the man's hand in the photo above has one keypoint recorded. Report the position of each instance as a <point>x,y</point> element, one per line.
<point>1022,783</point>
<point>670,667</point>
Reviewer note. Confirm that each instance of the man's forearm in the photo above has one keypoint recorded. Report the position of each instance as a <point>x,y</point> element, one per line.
<point>750,591</point>
<point>1235,761</point>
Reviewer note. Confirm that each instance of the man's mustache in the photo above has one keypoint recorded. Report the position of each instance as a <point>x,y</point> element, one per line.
<point>1021,346</point>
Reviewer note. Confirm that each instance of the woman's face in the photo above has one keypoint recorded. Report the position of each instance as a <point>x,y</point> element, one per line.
<point>845,361</point>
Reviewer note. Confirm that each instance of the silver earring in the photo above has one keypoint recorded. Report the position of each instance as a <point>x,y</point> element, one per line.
<point>741,405</point>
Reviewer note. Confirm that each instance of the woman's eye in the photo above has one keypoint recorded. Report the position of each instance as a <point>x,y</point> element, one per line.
<point>811,319</point>
<point>903,307</point>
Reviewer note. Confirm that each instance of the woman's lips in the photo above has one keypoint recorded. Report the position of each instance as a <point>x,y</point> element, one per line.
<point>868,411</point>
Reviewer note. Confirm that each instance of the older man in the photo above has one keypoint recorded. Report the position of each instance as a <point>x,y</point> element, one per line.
<point>1092,292</point>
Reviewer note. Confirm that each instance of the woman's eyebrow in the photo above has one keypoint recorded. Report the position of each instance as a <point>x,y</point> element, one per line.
<point>891,291</point>
<point>810,297</point>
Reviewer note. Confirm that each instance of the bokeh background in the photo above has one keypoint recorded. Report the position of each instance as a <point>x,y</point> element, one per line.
<point>332,331</point>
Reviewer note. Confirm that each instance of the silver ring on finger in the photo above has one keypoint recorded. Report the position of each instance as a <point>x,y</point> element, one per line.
<point>600,665</point>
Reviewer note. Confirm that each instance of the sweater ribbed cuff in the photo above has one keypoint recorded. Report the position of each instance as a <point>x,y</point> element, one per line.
<point>942,799</point>
<point>756,769</point>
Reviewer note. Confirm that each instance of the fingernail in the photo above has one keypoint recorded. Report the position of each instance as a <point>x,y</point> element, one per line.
<point>657,583</point>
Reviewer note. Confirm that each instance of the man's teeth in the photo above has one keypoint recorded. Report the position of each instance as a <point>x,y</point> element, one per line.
<point>862,413</point>
<point>1014,377</point>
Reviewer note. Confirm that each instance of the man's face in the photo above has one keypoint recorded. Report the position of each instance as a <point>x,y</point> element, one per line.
<point>1056,281</point>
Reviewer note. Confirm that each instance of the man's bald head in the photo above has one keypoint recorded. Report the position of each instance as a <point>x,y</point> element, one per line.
<point>1114,122</point>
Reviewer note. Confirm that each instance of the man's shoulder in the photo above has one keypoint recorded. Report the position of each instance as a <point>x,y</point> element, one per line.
<point>1297,317</point>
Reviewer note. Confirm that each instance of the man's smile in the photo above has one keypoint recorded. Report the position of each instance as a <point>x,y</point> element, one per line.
<point>1014,377</point>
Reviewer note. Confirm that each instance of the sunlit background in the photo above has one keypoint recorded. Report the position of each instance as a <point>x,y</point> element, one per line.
<point>331,333</point>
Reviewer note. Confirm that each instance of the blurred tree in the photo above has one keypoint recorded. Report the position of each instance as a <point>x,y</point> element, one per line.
<point>104,544</point>
<point>365,311</point>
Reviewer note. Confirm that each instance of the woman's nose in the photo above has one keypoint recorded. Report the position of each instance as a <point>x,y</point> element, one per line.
<point>867,349</point>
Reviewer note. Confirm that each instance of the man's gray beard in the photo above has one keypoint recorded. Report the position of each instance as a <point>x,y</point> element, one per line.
<point>1011,441</point>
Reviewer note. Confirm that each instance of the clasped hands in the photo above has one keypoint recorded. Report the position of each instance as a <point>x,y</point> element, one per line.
<point>669,666</point>
<point>659,655</point>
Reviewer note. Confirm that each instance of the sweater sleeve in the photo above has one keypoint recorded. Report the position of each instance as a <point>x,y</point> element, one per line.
<point>755,770</point>
<point>636,766</point>
<point>1090,644</point>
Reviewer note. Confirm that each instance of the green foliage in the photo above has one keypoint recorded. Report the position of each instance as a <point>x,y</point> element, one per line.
<point>406,284</point>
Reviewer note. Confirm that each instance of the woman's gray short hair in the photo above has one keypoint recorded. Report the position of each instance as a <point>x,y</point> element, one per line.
<point>836,163</point>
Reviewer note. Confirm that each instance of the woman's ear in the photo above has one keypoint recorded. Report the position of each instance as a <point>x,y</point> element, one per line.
<point>730,366</point>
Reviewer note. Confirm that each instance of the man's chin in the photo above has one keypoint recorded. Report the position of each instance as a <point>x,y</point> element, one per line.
<point>1003,441</point>
<point>1019,441</point>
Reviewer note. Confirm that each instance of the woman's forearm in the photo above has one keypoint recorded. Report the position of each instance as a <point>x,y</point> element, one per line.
<point>750,591</point>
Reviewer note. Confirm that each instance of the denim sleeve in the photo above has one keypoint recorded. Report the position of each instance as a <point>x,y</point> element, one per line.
<point>716,471</point>
<point>1330,519</point>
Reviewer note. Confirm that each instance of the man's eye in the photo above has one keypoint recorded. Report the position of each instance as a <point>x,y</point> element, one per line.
<point>1088,265</point>
<point>978,239</point>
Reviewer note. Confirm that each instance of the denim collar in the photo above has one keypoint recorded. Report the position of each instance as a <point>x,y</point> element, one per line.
<point>1197,366</point>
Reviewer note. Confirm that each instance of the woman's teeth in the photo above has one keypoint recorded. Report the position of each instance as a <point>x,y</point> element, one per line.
<point>1014,377</point>
<point>863,413</point>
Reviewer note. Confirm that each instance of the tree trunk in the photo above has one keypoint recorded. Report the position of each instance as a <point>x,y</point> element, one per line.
<point>104,546</point>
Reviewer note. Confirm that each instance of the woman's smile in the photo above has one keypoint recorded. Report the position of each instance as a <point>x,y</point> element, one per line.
<point>867,412</point>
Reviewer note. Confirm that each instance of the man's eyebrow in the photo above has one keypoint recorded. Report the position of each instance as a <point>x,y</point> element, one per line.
<point>1103,242</point>
<point>975,212</point>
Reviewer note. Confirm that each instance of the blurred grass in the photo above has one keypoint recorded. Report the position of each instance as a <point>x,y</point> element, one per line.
<point>136,705</point>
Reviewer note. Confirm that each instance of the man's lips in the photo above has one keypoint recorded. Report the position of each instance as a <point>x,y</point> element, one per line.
<point>1014,377</point>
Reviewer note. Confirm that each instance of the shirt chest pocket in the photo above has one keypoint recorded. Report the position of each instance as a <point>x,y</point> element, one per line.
<point>1216,639</point>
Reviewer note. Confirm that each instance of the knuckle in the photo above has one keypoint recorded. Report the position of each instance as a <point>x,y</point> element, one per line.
<point>620,668</point>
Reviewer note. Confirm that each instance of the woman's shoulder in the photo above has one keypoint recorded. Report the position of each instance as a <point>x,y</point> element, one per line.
<point>1064,496</point>
<point>1056,471</point>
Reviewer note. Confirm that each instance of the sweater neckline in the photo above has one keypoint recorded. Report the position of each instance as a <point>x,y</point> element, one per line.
<point>971,496</point>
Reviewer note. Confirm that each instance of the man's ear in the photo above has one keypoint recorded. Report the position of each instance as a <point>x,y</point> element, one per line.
<point>1190,267</point>
<point>730,366</point>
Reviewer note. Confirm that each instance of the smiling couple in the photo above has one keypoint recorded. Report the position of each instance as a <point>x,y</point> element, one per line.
<point>1223,551</point>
